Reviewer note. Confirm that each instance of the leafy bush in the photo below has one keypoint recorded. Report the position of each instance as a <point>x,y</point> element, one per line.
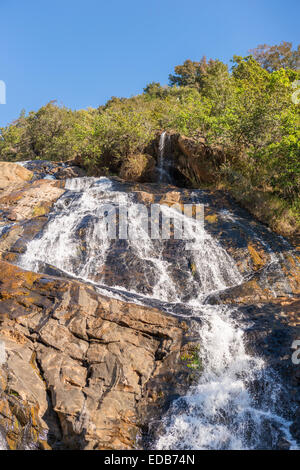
<point>248,111</point>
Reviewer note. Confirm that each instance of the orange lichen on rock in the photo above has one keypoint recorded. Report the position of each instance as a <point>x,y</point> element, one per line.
<point>258,257</point>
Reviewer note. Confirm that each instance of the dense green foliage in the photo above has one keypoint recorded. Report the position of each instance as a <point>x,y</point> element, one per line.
<point>247,110</point>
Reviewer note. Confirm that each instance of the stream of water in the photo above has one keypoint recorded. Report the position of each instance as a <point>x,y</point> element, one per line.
<point>164,175</point>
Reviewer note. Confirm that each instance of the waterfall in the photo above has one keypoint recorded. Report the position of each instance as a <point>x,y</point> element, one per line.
<point>59,245</point>
<point>76,224</point>
<point>224,410</point>
<point>236,401</point>
<point>163,164</point>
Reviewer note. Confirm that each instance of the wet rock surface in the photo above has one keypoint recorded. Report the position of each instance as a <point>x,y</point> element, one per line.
<point>42,169</point>
<point>24,210</point>
<point>271,331</point>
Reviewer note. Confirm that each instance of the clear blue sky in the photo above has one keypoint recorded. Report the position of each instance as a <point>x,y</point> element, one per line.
<point>83,52</point>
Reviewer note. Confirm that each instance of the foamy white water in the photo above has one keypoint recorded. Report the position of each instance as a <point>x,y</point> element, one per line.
<point>59,245</point>
<point>220,412</point>
<point>3,444</point>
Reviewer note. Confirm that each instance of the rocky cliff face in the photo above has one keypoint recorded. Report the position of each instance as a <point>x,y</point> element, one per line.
<point>81,370</point>
<point>91,366</point>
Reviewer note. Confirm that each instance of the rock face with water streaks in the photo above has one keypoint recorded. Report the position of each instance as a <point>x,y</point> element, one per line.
<point>23,213</point>
<point>82,370</point>
<point>85,370</point>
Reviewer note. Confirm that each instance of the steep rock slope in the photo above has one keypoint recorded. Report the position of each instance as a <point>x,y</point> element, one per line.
<point>80,370</point>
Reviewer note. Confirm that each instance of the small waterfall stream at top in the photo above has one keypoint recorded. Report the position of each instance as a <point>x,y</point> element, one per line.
<point>163,163</point>
<point>236,403</point>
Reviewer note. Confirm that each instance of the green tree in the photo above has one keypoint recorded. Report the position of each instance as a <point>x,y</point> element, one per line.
<point>156,90</point>
<point>189,74</point>
<point>44,135</point>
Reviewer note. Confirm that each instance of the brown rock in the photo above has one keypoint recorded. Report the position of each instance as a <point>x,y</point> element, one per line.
<point>139,168</point>
<point>198,161</point>
<point>12,173</point>
<point>258,256</point>
<point>29,200</point>
<point>89,361</point>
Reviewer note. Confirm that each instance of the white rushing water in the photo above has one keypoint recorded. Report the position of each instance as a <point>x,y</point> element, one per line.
<point>3,444</point>
<point>220,412</point>
<point>224,410</point>
<point>59,245</point>
<point>163,164</point>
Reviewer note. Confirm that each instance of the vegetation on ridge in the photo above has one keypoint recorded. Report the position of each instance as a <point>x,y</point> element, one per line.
<point>248,111</point>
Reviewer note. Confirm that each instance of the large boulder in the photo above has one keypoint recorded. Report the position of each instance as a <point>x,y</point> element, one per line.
<point>24,208</point>
<point>198,161</point>
<point>12,173</point>
<point>20,202</point>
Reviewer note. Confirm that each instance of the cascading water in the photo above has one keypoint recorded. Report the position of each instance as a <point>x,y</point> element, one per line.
<point>225,410</point>
<point>59,245</point>
<point>163,164</point>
